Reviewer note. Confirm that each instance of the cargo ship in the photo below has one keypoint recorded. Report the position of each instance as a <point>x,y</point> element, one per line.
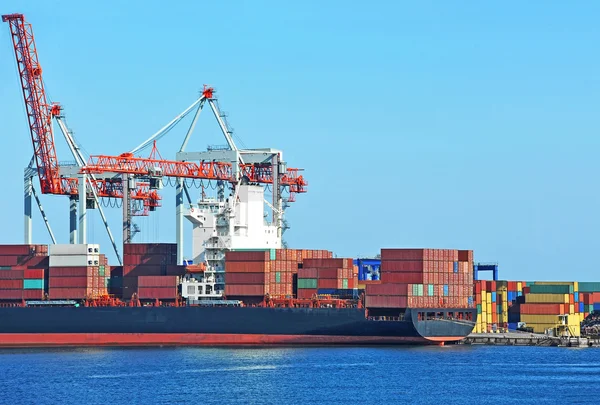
<point>214,325</point>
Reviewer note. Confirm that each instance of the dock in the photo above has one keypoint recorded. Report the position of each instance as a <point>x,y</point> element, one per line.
<point>528,339</point>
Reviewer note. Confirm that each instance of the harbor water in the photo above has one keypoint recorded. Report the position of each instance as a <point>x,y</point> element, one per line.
<point>346,375</point>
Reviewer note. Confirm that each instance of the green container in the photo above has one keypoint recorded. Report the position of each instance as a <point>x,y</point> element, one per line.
<point>588,287</point>
<point>278,277</point>
<point>419,290</point>
<point>498,308</point>
<point>101,271</point>
<point>5,268</point>
<point>430,290</point>
<point>307,283</point>
<point>345,284</point>
<point>36,284</point>
<point>550,289</point>
<point>273,254</point>
<point>479,308</point>
<point>107,282</point>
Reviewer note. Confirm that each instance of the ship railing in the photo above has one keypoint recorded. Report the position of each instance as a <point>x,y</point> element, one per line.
<point>385,318</point>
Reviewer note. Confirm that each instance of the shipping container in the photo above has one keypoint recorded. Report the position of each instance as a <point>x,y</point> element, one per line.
<point>74,261</point>
<point>33,273</point>
<point>402,266</point>
<point>308,272</point>
<point>328,263</point>
<point>307,283</point>
<point>158,281</point>
<point>11,274</point>
<point>247,256</point>
<point>245,278</point>
<point>245,267</point>
<point>330,273</point>
<point>74,249</point>
<point>68,293</point>
<point>245,290</point>
<point>33,284</point>
<point>550,289</point>
<point>145,293</point>
<point>589,287</point>
<point>386,289</point>
<point>386,301</point>
<point>11,284</point>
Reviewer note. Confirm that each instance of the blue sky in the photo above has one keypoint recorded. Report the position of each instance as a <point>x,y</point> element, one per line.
<point>463,125</point>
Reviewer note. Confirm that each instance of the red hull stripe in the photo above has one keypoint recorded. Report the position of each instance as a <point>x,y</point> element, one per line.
<point>160,339</point>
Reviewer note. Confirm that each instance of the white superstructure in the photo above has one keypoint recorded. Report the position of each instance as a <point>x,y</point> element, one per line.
<point>237,222</point>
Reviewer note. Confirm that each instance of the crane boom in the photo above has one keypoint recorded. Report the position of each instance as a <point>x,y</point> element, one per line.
<point>39,112</point>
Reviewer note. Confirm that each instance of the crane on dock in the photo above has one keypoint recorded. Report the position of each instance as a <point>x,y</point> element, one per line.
<point>128,177</point>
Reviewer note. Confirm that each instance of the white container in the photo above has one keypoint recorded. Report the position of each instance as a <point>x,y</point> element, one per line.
<point>77,249</point>
<point>75,261</point>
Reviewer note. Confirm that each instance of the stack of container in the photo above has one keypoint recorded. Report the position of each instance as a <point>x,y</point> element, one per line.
<point>144,259</point>
<point>76,271</point>
<point>247,273</point>
<point>332,277</point>
<point>158,287</point>
<point>423,278</point>
<point>254,273</point>
<point>546,304</point>
<point>493,300</point>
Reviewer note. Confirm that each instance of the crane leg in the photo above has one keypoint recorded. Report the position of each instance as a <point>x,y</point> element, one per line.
<point>82,228</point>
<point>28,191</point>
<point>126,210</point>
<point>179,220</point>
<point>72,220</point>
<point>44,217</point>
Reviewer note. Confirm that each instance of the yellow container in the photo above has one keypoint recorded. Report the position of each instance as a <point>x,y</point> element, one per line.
<point>489,297</point>
<point>546,319</point>
<point>575,286</point>
<point>571,309</point>
<point>519,286</point>
<point>547,298</point>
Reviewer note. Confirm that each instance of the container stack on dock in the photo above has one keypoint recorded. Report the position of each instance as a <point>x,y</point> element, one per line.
<point>77,272</point>
<point>423,278</point>
<point>328,277</point>
<point>494,300</point>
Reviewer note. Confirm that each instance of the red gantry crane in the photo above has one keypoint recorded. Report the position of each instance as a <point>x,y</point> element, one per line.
<point>82,182</point>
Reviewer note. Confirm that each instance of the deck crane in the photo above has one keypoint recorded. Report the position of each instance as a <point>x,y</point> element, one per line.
<point>80,182</point>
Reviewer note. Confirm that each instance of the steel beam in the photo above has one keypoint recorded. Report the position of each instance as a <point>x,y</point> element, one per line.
<point>179,220</point>
<point>72,220</point>
<point>82,226</point>
<point>28,204</point>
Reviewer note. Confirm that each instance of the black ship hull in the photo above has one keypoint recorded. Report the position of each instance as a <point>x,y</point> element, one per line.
<point>115,326</point>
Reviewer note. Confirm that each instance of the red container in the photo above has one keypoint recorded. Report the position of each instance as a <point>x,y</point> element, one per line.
<point>245,290</point>
<point>306,273</point>
<point>145,293</point>
<point>143,271</point>
<point>9,260</point>
<point>306,293</point>
<point>245,278</point>
<point>386,289</point>
<point>34,274</point>
<point>403,254</point>
<point>149,248</point>
<point>70,282</point>
<point>36,262</point>
<point>11,284</point>
<point>331,273</point>
<point>17,250</point>
<point>11,294</point>
<point>247,256</point>
<point>33,294</point>
<point>402,266</point>
<point>11,274</point>
<point>328,263</point>
<point>411,278</point>
<point>158,281</point>
<point>382,301</point>
<point>69,271</point>
<point>329,283</point>
<point>68,293</point>
<point>245,267</point>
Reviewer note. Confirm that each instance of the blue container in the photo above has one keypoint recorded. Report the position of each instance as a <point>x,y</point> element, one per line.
<point>328,291</point>
<point>597,306</point>
<point>37,284</point>
<point>512,326</point>
<point>470,301</point>
<point>519,293</point>
<point>445,290</point>
<point>493,296</point>
<point>581,307</point>
<point>456,267</point>
<point>576,296</point>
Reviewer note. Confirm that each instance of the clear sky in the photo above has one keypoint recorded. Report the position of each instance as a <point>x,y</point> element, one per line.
<point>470,125</point>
